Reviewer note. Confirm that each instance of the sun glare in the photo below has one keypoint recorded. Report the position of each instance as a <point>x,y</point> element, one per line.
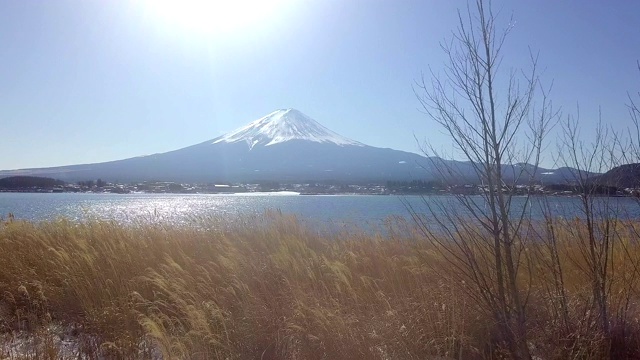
<point>213,17</point>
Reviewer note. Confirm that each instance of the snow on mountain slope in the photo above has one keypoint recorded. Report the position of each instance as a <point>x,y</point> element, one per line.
<point>284,125</point>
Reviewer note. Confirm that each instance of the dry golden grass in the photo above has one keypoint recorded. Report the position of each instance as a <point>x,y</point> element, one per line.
<point>277,290</point>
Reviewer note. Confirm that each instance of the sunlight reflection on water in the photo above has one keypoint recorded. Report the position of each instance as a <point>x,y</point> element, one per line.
<point>322,212</point>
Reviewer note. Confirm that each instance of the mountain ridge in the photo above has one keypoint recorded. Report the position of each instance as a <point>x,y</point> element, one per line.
<point>284,145</point>
<point>624,176</point>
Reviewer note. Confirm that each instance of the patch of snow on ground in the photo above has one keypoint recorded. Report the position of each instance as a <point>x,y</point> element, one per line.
<point>56,342</point>
<point>272,193</point>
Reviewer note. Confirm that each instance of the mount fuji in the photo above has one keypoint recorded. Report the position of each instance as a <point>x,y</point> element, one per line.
<point>281,126</point>
<point>283,146</point>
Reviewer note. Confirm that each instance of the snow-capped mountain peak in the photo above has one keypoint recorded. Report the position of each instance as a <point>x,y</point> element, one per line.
<point>284,125</point>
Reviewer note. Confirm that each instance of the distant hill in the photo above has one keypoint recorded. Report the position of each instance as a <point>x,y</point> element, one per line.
<point>624,176</point>
<point>27,182</point>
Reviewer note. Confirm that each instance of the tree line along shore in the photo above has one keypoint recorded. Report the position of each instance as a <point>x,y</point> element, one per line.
<point>33,184</point>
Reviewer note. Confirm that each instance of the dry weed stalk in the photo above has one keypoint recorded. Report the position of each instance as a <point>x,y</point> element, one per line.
<point>279,291</point>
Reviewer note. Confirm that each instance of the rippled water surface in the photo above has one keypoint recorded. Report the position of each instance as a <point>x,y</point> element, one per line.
<point>359,210</point>
<point>180,208</point>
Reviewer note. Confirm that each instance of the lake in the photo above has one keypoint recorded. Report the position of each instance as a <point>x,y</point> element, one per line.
<point>331,211</point>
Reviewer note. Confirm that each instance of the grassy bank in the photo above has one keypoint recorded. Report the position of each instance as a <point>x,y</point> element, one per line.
<point>276,290</point>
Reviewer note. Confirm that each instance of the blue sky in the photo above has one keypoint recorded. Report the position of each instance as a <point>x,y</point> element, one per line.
<point>92,81</point>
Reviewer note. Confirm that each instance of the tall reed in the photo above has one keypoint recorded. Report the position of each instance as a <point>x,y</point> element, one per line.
<point>270,288</point>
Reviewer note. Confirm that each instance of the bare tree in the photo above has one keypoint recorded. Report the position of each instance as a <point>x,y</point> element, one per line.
<point>609,262</point>
<point>633,156</point>
<point>596,247</point>
<point>491,117</point>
